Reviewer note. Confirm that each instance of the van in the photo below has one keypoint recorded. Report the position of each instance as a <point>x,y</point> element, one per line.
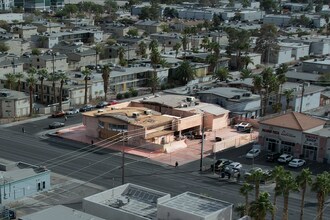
<point>272,156</point>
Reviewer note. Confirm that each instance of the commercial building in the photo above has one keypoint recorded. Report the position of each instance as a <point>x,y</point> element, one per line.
<point>33,5</point>
<point>14,104</point>
<point>298,134</point>
<point>316,66</point>
<point>125,202</point>
<point>19,180</point>
<point>59,212</point>
<point>49,61</point>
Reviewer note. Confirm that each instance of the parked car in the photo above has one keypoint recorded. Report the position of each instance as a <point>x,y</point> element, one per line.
<point>249,173</point>
<point>102,104</point>
<point>243,126</point>
<point>72,111</point>
<point>86,108</point>
<point>220,164</point>
<point>272,156</point>
<point>297,163</point>
<point>253,153</point>
<point>56,125</point>
<point>58,114</point>
<point>285,158</point>
<point>113,102</point>
<point>199,136</point>
<point>233,165</point>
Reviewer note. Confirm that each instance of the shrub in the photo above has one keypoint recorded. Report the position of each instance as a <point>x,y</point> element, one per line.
<point>127,95</point>
<point>119,96</point>
<point>134,93</point>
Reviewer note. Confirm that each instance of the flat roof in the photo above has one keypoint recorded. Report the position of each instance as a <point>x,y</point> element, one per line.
<point>302,76</point>
<point>206,107</point>
<point>130,198</point>
<point>196,204</point>
<point>12,94</point>
<point>229,92</point>
<point>60,212</point>
<point>169,100</point>
<point>324,132</point>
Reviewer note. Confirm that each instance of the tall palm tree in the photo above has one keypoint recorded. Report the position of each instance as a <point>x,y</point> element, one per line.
<point>246,73</point>
<point>10,80</point>
<point>280,74</point>
<point>185,73</point>
<point>276,176</point>
<point>246,60</point>
<point>222,74</point>
<point>53,77</point>
<point>321,186</point>
<point>19,77</point>
<point>287,184</point>
<point>106,80</point>
<point>153,45</point>
<point>303,179</point>
<point>31,81</point>
<point>86,74</point>
<point>121,56</point>
<point>142,49</point>
<point>261,206</point>
<point>62,77</point>
<point>176,47</point>
<point>257,87</point>
<point>98,50</point>
<point>288,96</point>
<point>184,42</point>
<point>42,75</point>
<point>255,178</point>
<point>205,43</point>
<point>245,190</point>
<point>240,210</point>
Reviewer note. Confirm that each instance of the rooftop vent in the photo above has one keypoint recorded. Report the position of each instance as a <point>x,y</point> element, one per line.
<point>147,112</point>
<point>135,114</point>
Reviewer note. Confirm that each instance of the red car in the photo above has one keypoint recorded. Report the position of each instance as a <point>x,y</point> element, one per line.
<point>113,102</point>
<point>58,114</point>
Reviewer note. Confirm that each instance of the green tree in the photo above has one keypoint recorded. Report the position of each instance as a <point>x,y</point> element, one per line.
<point>287,184</point>
<point>212,59</point>
<point>246,60</point>
<point>246,73</point>
<point>133,32</point>
<point>184,42</point>
<point>185,73</point>
<point>281,78</point>
<point>177,47</point>
<point>142,49</point>
<point>240,210</point>
<point>145,13</point>
<point>53,77</point>
<point>121,56</point>
<point>154,9</point>
<point>324,79</point>
<point>321,186</point>
<point>255,178</point>
<point>261,206</point>
<point>222,74</point>
<point>106,80</point>
<point>86,74</point>
<point>267,41</point>
<point>111,7</point>
<point>10,80</point>
<point>277,174</point>
<point>245,190</point>
<point>303,179</point>
<point>62,77</point>
<point>3,47</point>
<point>153,82</point>
<point>98,49</point>
<point>19,77</point>
<point>288,96</point>
<point>31,81</point>
<point>36,51</point>
<point>269,5</point>
<point>216,20</point>
<point>42,75</point>
<point>205,43</point>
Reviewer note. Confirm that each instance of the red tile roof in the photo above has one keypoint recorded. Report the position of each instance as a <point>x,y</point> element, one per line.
<point>295,121</point>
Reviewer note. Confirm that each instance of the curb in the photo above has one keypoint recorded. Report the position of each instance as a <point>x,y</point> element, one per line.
<point>24,121</point>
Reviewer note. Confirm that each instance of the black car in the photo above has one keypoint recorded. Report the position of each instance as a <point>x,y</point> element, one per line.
<point>102,104</point>
<point>86,108</point>
<point>221,164</point>
<point>56,125</point>
<point>272,156</point>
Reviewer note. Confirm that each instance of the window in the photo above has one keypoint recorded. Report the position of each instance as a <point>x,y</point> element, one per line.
<point>39,187</point>
<point>118,127</point>
<point>43,184</point>
<point>101,124</point>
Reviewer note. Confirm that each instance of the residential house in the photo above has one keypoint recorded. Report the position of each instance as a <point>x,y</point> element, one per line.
<point>278,20</point>
<point>283,55</point>
<point>14,104</point>
<point>11,17</point>
<point>19,180</point>
<point>299,50</point>
<point>52,62</point>
<point>166,39</point>
<point>6,5</point>
<point>317,45</point>
<point>195,14</point>
<point>148,26</point>
<point>59,212</point>
<point>255,58</point>
<point>116,29</point>
<point>316,66</point>
<point>46,26</point>
<point>78,22</point>
<point>24,31</point>
<point>295,133</point>
<point>9,64</point>
<point>237,101</point>
<point>82,57</point>
<point>251,15</point>
<point>16,45</point>
<point>297,77</point>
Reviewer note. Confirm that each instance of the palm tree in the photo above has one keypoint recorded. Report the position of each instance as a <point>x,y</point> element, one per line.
<point>53,78</point>
<point>256,177</point>
<point>245,190</point>
<point>86,74</point>
<point>10,80</point>
<point>42,75</point>
<point>276,175</point>
<point>142,50</point>
<point>184,42</point>
<point>185,73</point>
<point>260,207</point>
<point>246,61</point>
<point>287,184</point>
<point>215,47</point>
<point>321,186</point>
<point>176,47</point>
<point>288,96</point>
<point>19,77</point>
<point>212,59</point>
<point>153,82</point>
<point>31,81</point>
<point>222,74</point>
<point>240,210</point>
<point>281,78</point>
<point>153,45</point>
<point>303,179</point>
<point>205,43</point>
<point>106,77</point>
<point>98,50</point>
<point>62,77</point>
<point>246,73</point>
<point>121,56</point>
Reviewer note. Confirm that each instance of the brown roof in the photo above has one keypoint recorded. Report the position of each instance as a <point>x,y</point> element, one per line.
<point>295,121</point>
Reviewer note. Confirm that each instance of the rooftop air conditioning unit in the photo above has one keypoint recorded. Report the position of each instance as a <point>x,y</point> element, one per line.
<point>135,114</point>
<point>147,112</point>
<point>190,99</point>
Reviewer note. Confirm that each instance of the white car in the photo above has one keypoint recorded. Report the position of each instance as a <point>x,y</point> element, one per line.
<point>72,111</point>
<point>254,169</point>
<point>297,163</point>
<point>252,153</point>
<point>233,165</point>
<point>243,126</point>
<point>284,158</point>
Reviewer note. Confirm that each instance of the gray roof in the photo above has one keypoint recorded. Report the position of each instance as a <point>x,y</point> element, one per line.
<point>12,94</point>
<point>247,82</point>
<point>228,92</point>
<point>302,76</point>
<point>196,204</point>
<point>60,212</point>
<point>173,101</point>
<point>324,132</point>
<point>206,107</point>
<point>298,88</point>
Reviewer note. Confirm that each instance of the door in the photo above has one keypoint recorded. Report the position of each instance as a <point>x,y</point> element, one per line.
<point>309,154</point>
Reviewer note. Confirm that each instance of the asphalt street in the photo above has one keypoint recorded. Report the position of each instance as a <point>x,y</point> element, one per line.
<point>102,167</point>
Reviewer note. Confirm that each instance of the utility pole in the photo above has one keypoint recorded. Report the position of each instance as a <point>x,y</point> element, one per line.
<point>123,162</point>
<point>302,97</point>
<point>127,54</point>
<point>202,151</point>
